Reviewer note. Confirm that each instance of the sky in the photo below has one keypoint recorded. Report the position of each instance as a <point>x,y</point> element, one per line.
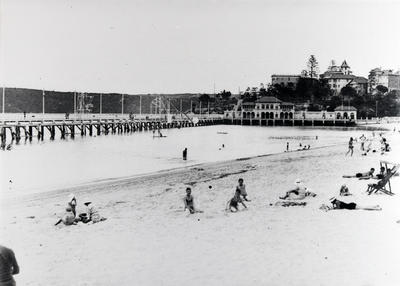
<point>176,46</point>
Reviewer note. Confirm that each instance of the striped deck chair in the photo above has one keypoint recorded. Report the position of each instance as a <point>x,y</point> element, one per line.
<point>380,186</point>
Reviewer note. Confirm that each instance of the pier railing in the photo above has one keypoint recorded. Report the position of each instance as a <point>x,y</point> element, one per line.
<point>34,117</point>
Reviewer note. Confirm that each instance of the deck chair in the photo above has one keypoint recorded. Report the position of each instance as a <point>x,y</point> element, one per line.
<point>380,186</point>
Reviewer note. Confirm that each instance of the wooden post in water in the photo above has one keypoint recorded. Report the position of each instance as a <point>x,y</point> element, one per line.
<point>17,133</point>
<point>42,132</point>
<point>63,131</point>
<point>30,132</point>
<point>72,128</point>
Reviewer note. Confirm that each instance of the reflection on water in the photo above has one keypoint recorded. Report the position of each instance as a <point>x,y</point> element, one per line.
<point>46,165</point>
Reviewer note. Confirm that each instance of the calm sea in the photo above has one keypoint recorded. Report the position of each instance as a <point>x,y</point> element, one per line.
<point>49,165</point>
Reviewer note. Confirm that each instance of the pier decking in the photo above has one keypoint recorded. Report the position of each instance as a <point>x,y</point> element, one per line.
<point>27,127</point>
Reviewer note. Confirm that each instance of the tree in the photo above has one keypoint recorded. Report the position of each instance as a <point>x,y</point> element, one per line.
<point>312,65</point>
<point>250,95</point>
<point>348,91</point>
<point>382,89</point>
<point>389,105</point>
<point>262,92</point>
<point>225,94</point>
<point>204,97</point>
<point>333,103</point>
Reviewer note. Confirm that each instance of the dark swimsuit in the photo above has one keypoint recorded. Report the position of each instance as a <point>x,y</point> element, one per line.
<point>341,205</point>
<point>189,203</point>
<point>236,200</point>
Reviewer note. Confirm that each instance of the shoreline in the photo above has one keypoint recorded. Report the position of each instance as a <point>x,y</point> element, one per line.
<point>123,182</point>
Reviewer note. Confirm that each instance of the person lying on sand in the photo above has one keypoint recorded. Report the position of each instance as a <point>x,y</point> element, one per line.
<point>300,192</point>
<point>242,188</point>
<point>188,200</point>
<point>362,176</point>
<point>68,218</point>
<point>289,204</point>
<point>93,214</point>
<point>233,204</point>
<point>344,191</point>
<point>339,205</point>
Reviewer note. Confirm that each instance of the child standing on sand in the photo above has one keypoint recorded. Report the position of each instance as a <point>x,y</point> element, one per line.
<point>242,189</point>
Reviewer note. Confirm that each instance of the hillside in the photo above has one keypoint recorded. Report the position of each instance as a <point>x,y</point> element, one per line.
<point>30,101</point>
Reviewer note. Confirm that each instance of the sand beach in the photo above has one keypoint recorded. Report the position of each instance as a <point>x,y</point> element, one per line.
<point>149,240</point>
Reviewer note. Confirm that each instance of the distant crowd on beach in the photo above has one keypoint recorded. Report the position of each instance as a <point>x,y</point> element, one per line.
<point>295,196</point>
<point>365,149</point>
<point>301,146</point>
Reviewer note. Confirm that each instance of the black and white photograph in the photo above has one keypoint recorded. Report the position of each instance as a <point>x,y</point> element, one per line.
<point>200,142</point>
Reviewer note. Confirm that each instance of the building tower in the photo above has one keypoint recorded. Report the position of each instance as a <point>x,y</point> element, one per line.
<point>345,68</point>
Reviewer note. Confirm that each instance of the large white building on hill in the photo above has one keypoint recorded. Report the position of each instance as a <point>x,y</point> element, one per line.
<point>386,78</point>
<point>341,76</point>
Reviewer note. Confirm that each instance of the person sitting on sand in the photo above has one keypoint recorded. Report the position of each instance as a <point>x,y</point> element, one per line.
<point>68,218</point>
<point>366,175</point>
<point>385,146</point>
<point>344,191</point>
<point>188,200</point>
<point>339,205</point>
<point>242,188</point>
<point>72,203</point>
<point>298,193</point>
<point>93,214</point>
<point>233,204</point>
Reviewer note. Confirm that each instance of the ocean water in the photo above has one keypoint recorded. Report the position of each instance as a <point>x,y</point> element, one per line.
<point>39,166</point>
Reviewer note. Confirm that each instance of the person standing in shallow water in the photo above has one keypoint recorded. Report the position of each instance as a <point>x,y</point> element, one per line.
<point>8,266</point>
<point>184,154</point>
<point>350,147</point>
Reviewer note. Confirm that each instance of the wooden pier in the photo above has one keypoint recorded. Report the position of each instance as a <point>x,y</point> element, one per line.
<point>89,127</point>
